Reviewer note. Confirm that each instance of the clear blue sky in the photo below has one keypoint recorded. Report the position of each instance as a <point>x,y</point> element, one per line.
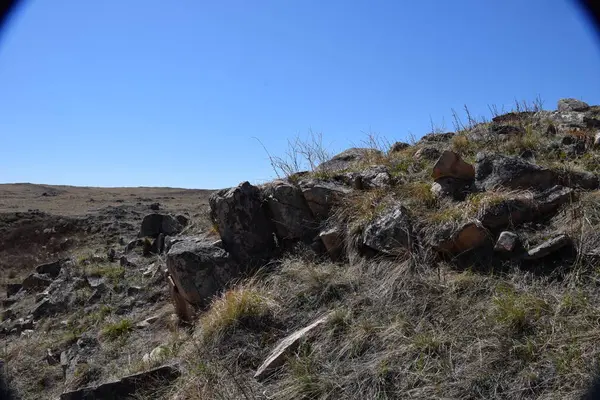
<point>132,93</point>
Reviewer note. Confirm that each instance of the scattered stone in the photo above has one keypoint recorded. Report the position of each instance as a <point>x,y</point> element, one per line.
<point>450,164</point>
<point>199,270</point>
<point>551,130</point>
<point>506,130</point>
<point>333,240</point>
<point>572,105</point>
<point>242,222</point>
<point>151,270</point>
<point>551,199</point>
<point>51,269</point>
<point>44,308</point>
<point>285,346</point>
<point>427,153</point>
<point>390,233</point>
<point>507,242</point>
<point>399,146</point>
<point>155,224</point>
<point>467,237</point>
<point>548,247</point>
<point>579,179</point>
<point>597,139</point>
<point>155,206</point>
<point>7,314</point>
<point>289,211</point>
<point>12,289</point>
<point>347,159</point>
<point>36,282</point>
<point>126,386</point>
<point>494,170</point>
<point>507,212</point>
<point>322,196</point>
<point>51,358</point>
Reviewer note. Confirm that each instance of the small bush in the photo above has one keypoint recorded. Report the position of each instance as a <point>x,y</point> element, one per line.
<point>118,329</point>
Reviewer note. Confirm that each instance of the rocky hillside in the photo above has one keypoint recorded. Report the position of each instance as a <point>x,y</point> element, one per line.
<point>460,266</point>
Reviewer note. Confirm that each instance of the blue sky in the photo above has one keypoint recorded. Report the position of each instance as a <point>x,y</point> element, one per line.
<point>131,93</point>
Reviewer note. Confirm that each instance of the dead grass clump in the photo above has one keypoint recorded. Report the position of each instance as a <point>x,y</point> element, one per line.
<point>246,306</point>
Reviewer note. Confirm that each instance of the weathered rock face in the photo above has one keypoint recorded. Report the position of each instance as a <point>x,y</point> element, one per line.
<point>199,270</point>
<point>390,233</point>
<point>322,196</point>
<point>451,165</point>
<point>494,170</point>
<point>347,159</point>
<point>243,223</point>
<point>127,386</point>
<point>155,224</point>
<point>551,199</point>
<point>456,241</point>
<point>572,105</point>
<point>289,211</point>
<point>437,137</point>
<point>398,146</point>
<point>507,212</point>
<point>427,153</point>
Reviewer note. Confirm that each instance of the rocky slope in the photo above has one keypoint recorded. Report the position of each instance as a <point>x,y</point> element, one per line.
<point>460,266</point>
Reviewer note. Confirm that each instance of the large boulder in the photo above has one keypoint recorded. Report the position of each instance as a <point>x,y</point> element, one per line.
<point>347,159</point>
<point>570,104</point>
<point>456,240</point>
<point>494,170</point>
<point>243,223</point>
<point>289,211</point>
<point>322,196</point>
<point>155,224</point>
<point>451,165</point>
<point>199,270</point>
<point>390,233</point>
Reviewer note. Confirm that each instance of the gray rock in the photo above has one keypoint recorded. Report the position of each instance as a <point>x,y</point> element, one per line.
<point>551,199</point>
<point>125,262</point>
<point>507,212</point>
<point>437,137</point>
<point>347,159</point>
<point>155,206</point>
<point>398,146</point>
<point>51,269</point>
<point>283,348</point>
<point>289,211</point>
<point>494,171</point>
<point>199,270</point>
<point>44,308</point>
<point>322,196</point>
<point>127,386</point>
<point>36,282</point>
<point>390,233</point>
<point>333,240</point>
<point>155,224</point>
<point>451,165</point>
<point>548,247</point>
<point>507,242</point>
<point>158,245</point>
<point>570,104</point>
<point>243,223</point>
